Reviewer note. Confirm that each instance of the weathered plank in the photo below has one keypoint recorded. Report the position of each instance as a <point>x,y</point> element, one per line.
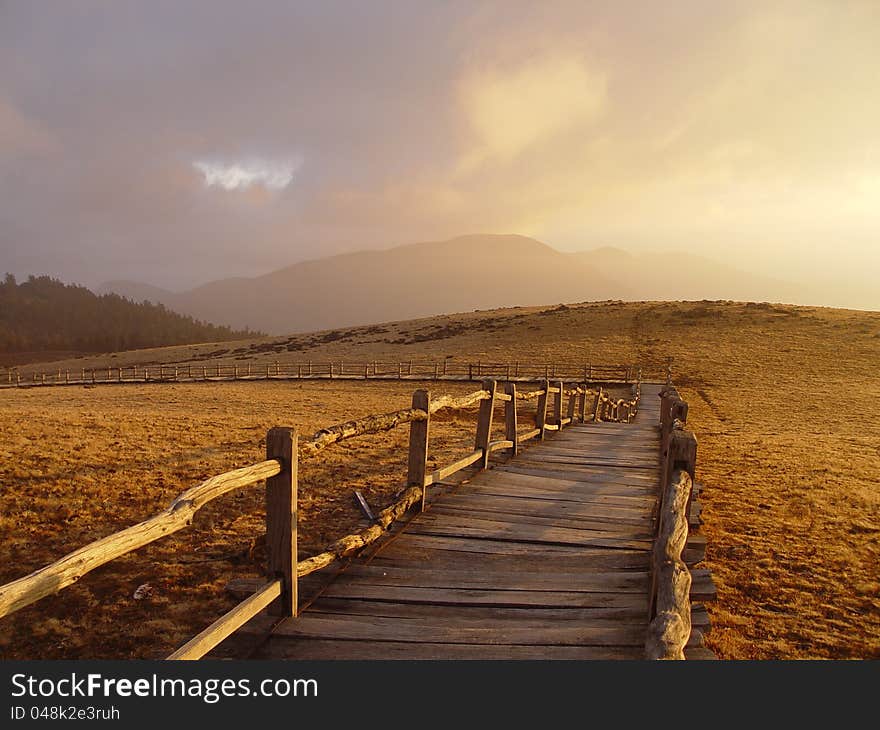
<point>479,597</point>
<point>461,631</point>
<point>318,649</point>
<point>630,528</point>
<point>585,580</point>
<point>409,610</point>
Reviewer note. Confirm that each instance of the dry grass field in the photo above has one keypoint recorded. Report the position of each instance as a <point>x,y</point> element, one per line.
<point>785,402</point>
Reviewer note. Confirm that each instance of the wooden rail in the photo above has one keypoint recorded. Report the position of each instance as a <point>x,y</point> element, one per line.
<point>568,372</point>
<point>670,612</point>
<point>279,470</point>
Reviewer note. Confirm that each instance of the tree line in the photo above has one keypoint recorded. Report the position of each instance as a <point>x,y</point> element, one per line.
<point>43,313</point>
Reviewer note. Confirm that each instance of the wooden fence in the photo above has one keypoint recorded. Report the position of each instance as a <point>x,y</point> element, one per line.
<point>670,607</point>
<point>557,407</point>
<point>445,369</point>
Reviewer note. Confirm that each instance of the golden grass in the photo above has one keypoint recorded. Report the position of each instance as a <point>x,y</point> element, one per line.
<point>784,402</point>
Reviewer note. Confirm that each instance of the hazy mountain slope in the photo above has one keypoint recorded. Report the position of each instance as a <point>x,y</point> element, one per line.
<point>470,272</point>
<point>458,275</point>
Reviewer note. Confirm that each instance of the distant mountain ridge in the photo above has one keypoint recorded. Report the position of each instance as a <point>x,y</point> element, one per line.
<point>438,277</point>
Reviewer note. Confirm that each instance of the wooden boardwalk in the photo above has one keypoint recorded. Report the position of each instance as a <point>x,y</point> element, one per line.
<point>544,557</point>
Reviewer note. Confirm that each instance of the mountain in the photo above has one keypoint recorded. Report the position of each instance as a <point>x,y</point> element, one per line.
<point>461,274</point>
<point>42,314</point>
<point>416,280</point>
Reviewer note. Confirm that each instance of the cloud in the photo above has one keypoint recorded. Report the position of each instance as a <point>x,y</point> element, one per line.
<point>513,109</point>
<point>271,174</point>
<point>153,139</point>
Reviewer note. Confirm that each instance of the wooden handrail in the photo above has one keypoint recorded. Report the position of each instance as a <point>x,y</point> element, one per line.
<point>670,627</point>
<point>69,569</point>
<point>229,622</point>
<point>670,609</point>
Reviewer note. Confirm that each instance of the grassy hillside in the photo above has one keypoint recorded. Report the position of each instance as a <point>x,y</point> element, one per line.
<point>783,400</point>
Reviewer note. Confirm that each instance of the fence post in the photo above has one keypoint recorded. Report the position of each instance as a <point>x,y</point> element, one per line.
<point>484,421</point>
<point>557,402</point>
<point>470,371</point>
<point>66,376</point>
<point>597,416</point>
<point>417,462</point>
<point>510,417</point>
<point>582,404</point>
<point>399,370</point>
<point>682,454</point>
<point>281,508</point>
<point>541,414</point>
<point>572,404</point>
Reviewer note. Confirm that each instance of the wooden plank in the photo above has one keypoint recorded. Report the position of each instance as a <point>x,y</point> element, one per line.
<point>609,460</point>
<point>477,631</point>
<point>574,474</point>
<point>629,528</point>
<point>436,543</point>
<point>608,474</point>
<point>530,533</point>
<point>595,616</point>
<point>319,649</point>
<point>232,620</point>
<point>702,586</point>
<point>580,581</point>
<point>600,496</point>
<point>560,485</point>
<point>594,559</point>
<point>477,597</point>
<point>456,466</point>
<point>639,513</point>
<point>699,653</point>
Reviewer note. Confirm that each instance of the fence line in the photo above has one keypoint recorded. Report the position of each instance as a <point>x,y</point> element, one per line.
<point>568,372</point>
<point>279,470</point>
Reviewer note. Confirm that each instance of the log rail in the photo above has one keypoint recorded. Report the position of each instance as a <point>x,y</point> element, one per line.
<point>557,407</point>
<point>670,608</point>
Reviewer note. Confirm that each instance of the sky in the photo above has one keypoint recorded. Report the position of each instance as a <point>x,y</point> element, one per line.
<point>176,143</point>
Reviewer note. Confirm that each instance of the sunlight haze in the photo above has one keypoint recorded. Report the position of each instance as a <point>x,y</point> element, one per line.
<point>179,144</point>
